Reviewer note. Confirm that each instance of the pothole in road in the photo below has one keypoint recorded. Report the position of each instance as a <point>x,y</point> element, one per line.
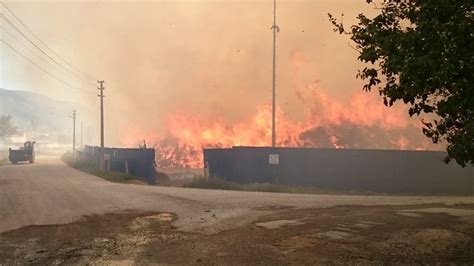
<point>334,234</point>
<point>112,238</point>
<point>278,223</point>
<point>345,235</point>
<point>423,241</point>
<point>466,215</point>
<point>345,230</point>
<point>143,222</point>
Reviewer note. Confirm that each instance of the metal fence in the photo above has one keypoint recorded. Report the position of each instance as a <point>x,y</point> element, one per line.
<point>137,162</point>
<point>386,171</point>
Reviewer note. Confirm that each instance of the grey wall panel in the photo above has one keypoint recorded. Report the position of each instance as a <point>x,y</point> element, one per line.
<point>391,171</point>
<point>141,162</point>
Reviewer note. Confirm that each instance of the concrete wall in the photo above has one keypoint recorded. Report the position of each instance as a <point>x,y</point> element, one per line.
<point>390,171</point>
<point>141,162</point>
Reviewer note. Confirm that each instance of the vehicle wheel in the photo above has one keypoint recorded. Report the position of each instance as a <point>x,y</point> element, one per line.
<point>14,162</point>
<point>31,161</point>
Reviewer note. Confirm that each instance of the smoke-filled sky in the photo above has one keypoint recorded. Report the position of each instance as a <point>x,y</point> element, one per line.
<point>210,60</point>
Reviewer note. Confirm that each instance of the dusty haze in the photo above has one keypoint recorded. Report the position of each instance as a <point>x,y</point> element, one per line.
<point>188,74</point>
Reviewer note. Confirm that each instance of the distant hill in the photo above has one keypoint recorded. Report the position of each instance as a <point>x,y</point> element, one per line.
<point>28,109</point>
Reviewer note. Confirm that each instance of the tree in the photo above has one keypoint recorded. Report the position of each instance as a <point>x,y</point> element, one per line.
<point>6,126</point>
<point>422,53</point>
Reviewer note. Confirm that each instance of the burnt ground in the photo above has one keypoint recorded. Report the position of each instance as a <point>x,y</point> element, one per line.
<point>337,235</point>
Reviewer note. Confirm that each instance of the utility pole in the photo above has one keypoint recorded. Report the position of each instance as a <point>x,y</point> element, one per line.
<point>101,96</point>
<point>275,29</point>
<point>82,134</point>
<point>73,132</point>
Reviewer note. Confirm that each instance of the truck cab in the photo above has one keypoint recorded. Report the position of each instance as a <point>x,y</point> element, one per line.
<point>24,154</point>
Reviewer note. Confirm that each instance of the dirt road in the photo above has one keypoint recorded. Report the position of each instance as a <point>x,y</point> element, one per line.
<point>90,219</point>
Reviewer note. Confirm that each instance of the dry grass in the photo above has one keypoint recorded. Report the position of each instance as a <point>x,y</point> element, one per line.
<point>82,164</point>
<point>4,161</point>
<point>217,183</point>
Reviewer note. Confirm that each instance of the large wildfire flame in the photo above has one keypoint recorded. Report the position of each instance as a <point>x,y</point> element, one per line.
<point>363,122</point>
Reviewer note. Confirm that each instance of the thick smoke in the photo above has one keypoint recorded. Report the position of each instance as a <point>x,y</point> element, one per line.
<point>184,75</point>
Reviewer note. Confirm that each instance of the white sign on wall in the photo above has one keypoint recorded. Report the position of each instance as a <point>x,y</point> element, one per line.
<point>274,159</point>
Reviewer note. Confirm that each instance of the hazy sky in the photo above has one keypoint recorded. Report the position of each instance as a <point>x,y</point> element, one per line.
<point>211,58</point>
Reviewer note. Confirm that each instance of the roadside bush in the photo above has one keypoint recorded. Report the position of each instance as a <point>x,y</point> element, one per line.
<point>81,163</point>
<point>218,183</point>
<point>212,183</point>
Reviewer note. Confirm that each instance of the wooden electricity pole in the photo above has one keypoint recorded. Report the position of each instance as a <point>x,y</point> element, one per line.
<point>82,125</point>
<point>275,29</point>
<point>101,96</point>
<point>73,132</point>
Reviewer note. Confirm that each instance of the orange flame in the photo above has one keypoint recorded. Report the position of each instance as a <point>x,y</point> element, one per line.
<point>362,122</point>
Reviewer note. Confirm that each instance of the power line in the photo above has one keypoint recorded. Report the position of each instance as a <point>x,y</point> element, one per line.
<point>45,45</point>
<point>39,67</point>
<point>29,49</point>
<point>34,44</point>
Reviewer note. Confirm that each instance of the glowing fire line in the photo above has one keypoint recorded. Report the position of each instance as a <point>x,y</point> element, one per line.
<point>364,122</point>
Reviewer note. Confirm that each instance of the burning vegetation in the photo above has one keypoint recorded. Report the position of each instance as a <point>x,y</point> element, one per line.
<point>363,122</point>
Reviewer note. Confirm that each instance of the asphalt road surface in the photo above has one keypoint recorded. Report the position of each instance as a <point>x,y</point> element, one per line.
<point>51,214</point>
<point>50,192</point>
